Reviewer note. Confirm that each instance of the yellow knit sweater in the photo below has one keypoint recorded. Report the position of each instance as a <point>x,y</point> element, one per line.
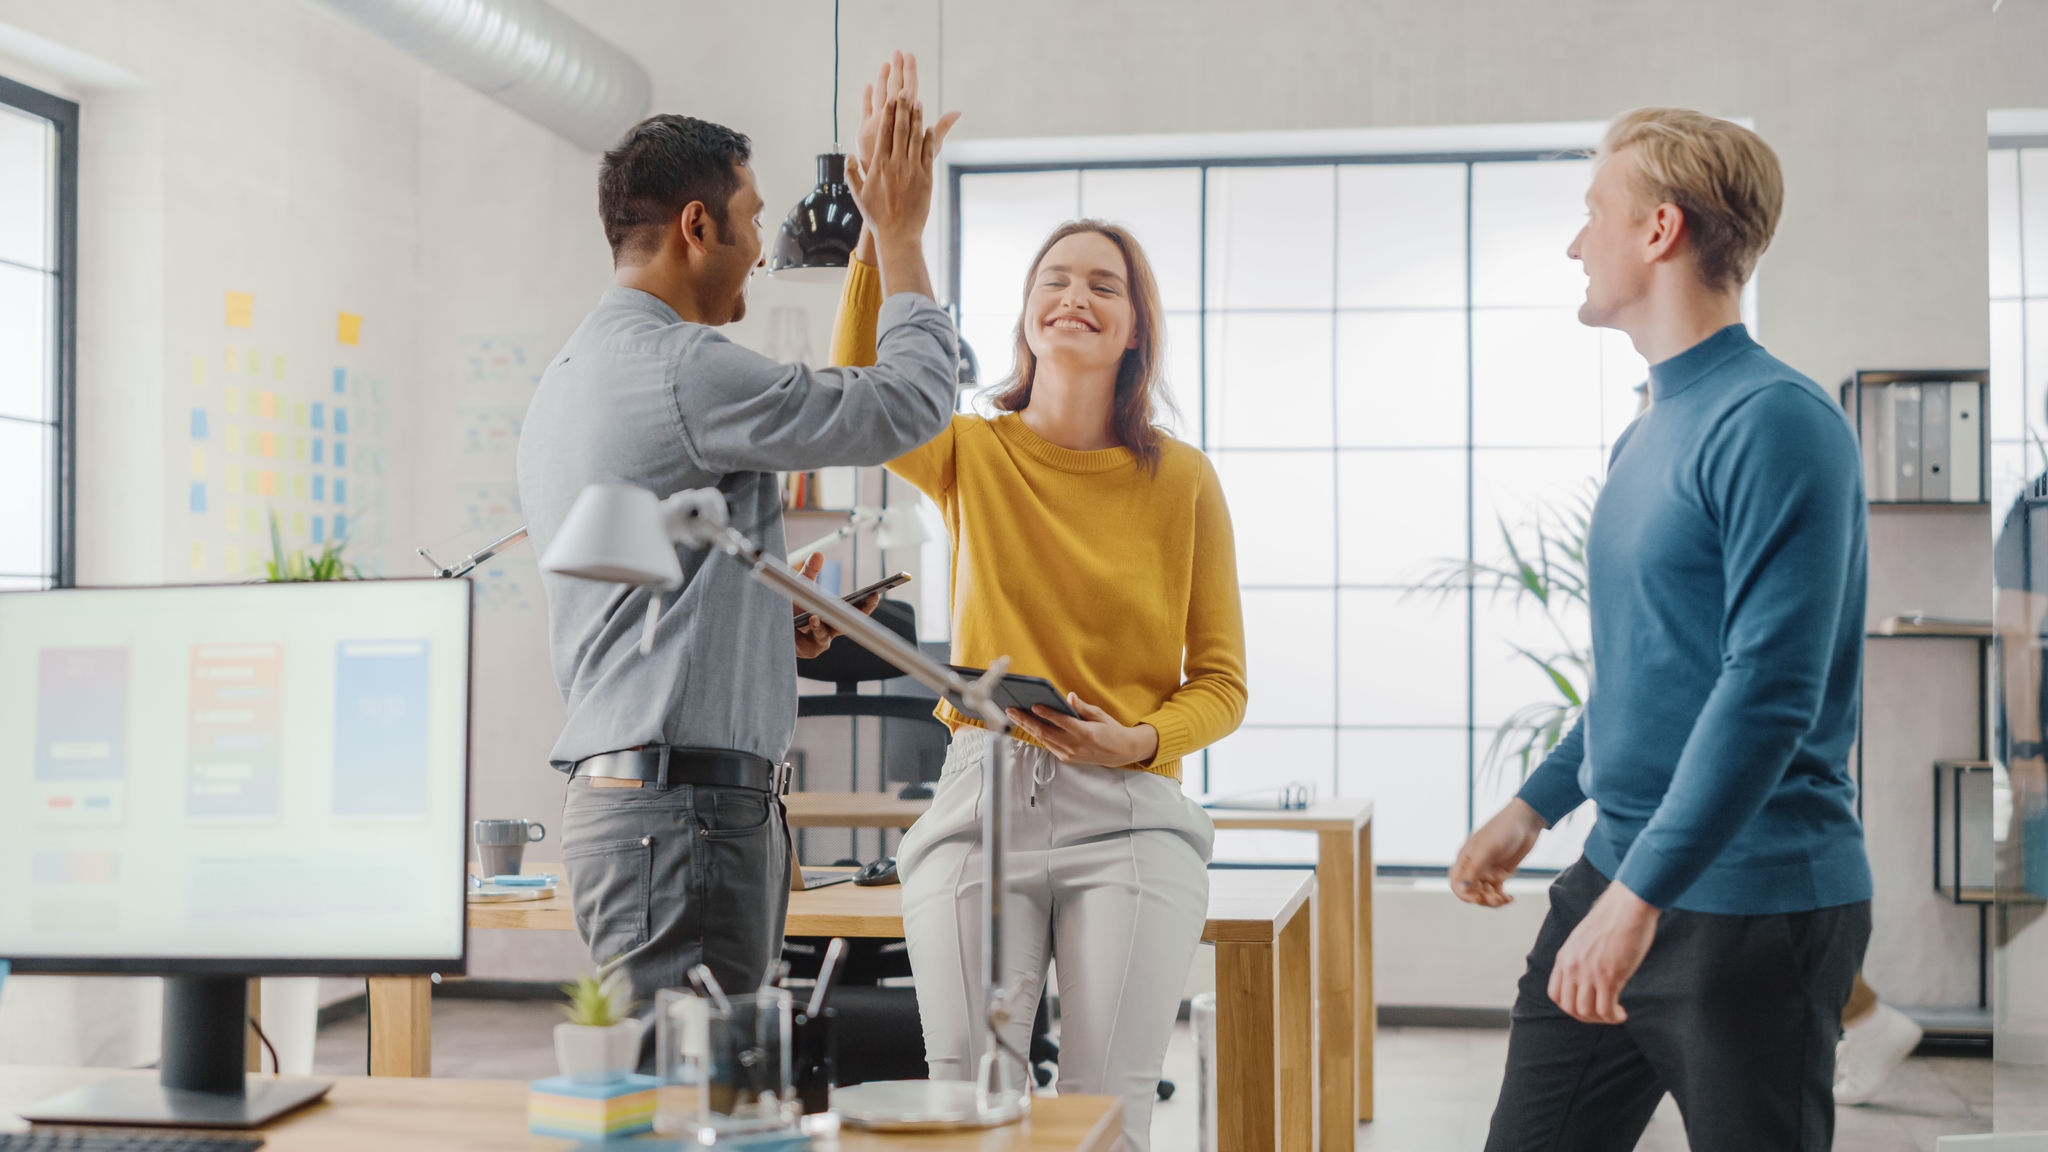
<point>1115,585</point>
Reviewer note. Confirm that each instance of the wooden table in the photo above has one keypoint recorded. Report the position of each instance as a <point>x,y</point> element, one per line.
<point>1262,923</point>
<point>1343,830</point>
<point>399,1115</point>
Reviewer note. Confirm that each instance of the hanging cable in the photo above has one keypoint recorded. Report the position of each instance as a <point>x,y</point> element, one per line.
<point>835,75</point>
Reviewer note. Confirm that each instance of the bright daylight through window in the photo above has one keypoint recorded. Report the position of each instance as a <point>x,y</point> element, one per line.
<point>1385,362</point>
<point>36,196</point>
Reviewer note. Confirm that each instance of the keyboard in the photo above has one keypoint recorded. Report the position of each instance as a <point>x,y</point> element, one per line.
<point>124,1140</point>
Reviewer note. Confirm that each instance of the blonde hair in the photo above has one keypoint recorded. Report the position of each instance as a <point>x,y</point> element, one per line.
<point>1722,176</point>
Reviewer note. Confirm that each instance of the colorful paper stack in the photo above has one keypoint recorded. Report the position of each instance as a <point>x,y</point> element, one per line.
<point>558,1106</point>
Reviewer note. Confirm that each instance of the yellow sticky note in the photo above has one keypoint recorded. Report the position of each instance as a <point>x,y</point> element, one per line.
<point>198,374</point>
<point>231,478</point>
<point>348,327</point>
<point>231,360</point>
<point>280,368</point>
<point>298,523</point>
<point>266,445</point>
<point>299,414</point>
<point>241,310</point>
<point>298,447</point>
<point>198,556</point>
<point>266,405</point>
<point>198,463</point>
<point>253,521</point>
<point>231,517</point>
<point>231,399</point>
<point>231,559</point>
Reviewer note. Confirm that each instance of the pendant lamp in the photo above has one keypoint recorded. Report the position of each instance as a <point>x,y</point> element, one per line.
<point>818,236</point>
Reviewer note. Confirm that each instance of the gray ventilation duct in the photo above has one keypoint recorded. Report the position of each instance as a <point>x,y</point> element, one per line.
<point>525,54</point>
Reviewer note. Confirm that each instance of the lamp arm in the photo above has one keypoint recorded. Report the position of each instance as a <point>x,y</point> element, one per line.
<point>863,517</point>
<point>464,566</point>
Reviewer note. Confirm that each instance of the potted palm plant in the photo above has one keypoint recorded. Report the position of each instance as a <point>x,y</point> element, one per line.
<point>1544,565</point>
<point>600,1041</point>
<point>297,565</point>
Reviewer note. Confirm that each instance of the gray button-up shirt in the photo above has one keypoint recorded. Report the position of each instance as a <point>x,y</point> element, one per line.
<point>639,396</point>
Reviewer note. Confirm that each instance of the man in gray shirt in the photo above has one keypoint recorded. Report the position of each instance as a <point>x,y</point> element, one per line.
<point>674,842</point>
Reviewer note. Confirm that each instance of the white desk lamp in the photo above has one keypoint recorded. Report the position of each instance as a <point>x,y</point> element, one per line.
<point>897,526</point>
<point>622,534</point>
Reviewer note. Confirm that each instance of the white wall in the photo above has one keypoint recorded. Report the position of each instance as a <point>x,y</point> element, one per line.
<point>307,162</point>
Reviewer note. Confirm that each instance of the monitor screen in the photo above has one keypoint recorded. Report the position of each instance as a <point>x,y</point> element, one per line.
<point>236,778</point>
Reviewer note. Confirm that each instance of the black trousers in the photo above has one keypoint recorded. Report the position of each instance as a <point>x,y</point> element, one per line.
<point>662,879</point>
<point>1735,1016</point>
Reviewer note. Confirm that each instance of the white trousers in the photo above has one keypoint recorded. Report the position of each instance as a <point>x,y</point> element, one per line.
<point>1108,869</point>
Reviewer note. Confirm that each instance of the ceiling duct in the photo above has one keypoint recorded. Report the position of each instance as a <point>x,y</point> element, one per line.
<point>525,54</point>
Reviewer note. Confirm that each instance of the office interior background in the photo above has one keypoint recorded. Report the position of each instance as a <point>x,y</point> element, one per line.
<point>287,269</point>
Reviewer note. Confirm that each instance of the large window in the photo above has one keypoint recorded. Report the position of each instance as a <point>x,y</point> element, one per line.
<point>38,249</point>
<point>2019,315</point>
<point>1384,360</point>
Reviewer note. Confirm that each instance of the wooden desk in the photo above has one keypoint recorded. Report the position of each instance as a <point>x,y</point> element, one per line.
<point>1265,976</point>
<point>400,1115</point>
<point>1349,1014</point>
<point>1343,830</point>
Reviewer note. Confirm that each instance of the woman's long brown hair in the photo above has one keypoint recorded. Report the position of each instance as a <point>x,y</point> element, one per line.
<point>1140,382</point>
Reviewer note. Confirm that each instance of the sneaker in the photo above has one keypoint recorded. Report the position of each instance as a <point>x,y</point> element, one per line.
<point>1871,1051</point>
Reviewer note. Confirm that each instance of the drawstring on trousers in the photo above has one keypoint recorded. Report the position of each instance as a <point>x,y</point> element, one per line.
<point>1052,769</point>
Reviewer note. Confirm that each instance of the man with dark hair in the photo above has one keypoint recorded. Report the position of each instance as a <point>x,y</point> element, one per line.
<point>673,835</point>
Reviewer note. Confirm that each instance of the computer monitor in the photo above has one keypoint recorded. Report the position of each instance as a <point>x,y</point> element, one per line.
<point>213,783</point>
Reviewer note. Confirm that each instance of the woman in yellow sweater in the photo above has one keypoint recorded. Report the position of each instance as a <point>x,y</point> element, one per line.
<point>1093,550</point>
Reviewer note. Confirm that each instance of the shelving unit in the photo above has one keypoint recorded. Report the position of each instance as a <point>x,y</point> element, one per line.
<point>1970,421</point>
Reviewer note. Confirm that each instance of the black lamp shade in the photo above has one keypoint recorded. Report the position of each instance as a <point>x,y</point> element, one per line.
<point>819,234</point>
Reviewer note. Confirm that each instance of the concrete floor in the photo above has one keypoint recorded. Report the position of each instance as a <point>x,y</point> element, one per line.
<point>1436,1086</point>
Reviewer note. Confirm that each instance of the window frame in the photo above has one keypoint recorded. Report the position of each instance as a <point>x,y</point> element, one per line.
<point>1469,158</point>
<point>62,115</point>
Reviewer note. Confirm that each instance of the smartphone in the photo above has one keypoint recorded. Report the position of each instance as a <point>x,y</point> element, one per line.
<point>860,594</point>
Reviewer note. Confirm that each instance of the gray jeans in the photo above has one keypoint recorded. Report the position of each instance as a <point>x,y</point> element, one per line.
<point>665,879</point>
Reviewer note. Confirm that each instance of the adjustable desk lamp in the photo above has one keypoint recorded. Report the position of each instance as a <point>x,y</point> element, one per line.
<point>622,534</point>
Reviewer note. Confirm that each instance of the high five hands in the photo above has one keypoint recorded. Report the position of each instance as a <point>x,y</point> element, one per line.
<point>890,173</point>
<point>1603,951</point>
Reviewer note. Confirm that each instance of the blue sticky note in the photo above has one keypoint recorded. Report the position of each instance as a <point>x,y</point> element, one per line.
<point>319,529</point>
<point>340,420</point>
<point>340,492</point>
<point>319,450</point>
<point>319,487</point>
<point>340,526</point>
<point>4,967</point>
<point>199,423</point>
<point>319,415</point>
<point>198,496</point>
<point>340,454</point>
<point>341,381</point>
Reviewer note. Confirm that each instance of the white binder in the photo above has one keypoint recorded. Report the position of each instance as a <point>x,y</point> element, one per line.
<point>1965,440</point>
<point>1905,405</point>
<point>1934,434</point>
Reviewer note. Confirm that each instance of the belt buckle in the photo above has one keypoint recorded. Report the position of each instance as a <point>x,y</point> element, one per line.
<point>780,777</point>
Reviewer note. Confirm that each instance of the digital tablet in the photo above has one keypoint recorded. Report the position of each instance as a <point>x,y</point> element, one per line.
<point>1020,692</point>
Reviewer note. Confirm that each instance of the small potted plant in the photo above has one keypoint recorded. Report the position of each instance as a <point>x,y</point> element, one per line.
<point>600,1043</point>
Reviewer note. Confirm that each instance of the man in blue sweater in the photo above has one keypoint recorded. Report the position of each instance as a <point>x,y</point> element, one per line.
<point>1705,943</point>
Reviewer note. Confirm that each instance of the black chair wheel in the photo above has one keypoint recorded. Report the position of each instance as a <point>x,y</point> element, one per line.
<point>1165,1089</point>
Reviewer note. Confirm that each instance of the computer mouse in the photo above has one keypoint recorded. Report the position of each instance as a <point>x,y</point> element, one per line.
<point>877,873</point>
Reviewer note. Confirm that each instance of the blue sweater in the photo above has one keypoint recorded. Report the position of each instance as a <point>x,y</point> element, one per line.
<point>1726,569</point>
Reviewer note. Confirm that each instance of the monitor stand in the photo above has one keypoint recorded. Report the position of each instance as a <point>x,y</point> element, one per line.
<point>202,1083</point>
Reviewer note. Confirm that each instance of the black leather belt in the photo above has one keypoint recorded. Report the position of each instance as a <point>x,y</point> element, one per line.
<point>666,766</point>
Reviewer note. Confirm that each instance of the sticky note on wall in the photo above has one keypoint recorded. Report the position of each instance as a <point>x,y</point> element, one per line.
<point>197,498</point>
<point>241,310</point>
<point>348,328</point>
<point>198,462</point>
<point>198,556</point>
<point>340,381</point>
<point>199,423</point>
<point>231,439</point>
<point>266,405</point>
<point>266,445</point>
<point>198,371</point>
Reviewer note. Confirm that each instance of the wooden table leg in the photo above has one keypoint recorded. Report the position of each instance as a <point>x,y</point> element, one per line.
<point>401,1026</point>
<point>1247,1047</point>
<point>1366,1006</point>
<point>1297,964</point>
<point>1336,985</point>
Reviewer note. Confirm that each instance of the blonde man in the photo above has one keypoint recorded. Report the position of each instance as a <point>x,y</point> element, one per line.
<point>1706,942</point>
